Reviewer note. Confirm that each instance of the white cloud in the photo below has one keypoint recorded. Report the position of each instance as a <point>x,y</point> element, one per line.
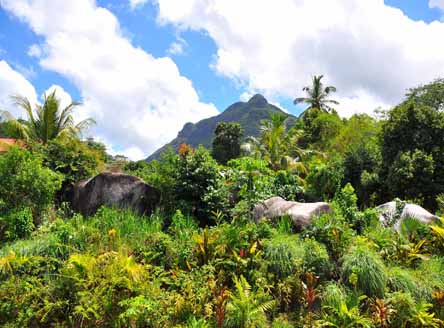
<point>137,100</point>
<point>371,52</point>
<point>137,3</point>
<point>436,4</point>
<point>13,83</point>
<point>176,48</point>
<point>35,51</point>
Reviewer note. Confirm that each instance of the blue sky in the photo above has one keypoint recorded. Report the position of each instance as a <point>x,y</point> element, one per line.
<point>210,58</point>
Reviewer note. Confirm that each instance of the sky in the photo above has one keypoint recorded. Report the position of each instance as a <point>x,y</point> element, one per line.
<point>144,68</point>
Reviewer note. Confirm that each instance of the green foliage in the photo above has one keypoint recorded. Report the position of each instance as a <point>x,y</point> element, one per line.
<point>344,316</point>
<point>276,146</point>
<point>160,174</point>
<point>73,159</point>
<point>25,183</point>
<point>247,308</point>
<point>227,141</point>
<point>284,255</point>
<point>196,172</point>
<point>320,129</point>
<point>18,223</point>
<point>250,181</point>
<point>363,270</point>
<point>411,174</point>
<point>404,306</point>
<point>288,186</point>
<point>200,261</point>
<point>361,169</point>
<point>415,157</point>
<point>316,258</point>
<point>324,179</point>
<point>333,231</point>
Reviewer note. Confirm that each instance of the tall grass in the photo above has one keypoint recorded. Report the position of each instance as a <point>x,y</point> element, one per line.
<point>364,270</point>
<point>284,255</point>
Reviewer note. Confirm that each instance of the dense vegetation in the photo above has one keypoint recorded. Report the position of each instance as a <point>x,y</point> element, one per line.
<point>200,261</point>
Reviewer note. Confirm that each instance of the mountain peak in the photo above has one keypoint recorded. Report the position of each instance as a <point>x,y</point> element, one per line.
<point>248,114</point>
<point>258,100</point>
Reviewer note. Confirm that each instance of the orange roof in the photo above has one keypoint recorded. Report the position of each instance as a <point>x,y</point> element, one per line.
<point>6,143</point>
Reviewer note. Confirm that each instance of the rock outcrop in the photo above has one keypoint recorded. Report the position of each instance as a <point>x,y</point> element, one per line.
<point>301,213</point>
<point>116,190</point>
<point>387,214</point>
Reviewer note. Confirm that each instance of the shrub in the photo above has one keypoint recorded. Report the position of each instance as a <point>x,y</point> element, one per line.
<point>404,306</point>
<point>283,255</point>
<point>197,172</point>
<point>162,175</point>
<point>25,183</point>
<point>325,179</point>
<point>18,223</point>
<point>288,185</point>
<point>430,273</point>
<point>333,231</point>
<point>281,322</point>
<point>316,258</point>
<point>247,307</point>
<point>364,270</point>
<point>403,280</point>
<point>73,159</point>
<point>346,202</point>
<point>333,295</point>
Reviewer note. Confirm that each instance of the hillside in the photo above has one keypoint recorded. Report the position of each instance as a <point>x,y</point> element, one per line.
<point>249,114</point>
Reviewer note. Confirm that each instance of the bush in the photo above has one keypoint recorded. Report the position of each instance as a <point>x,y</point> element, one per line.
<point>333,295</point>
<point>160,174</point>
<point>73,159</point>
<point>404,306</point>
<point>284,255</point>
<point>324,179</point>
<point>197,172</point>
<point>25,183</point>
<point>18,223</point>
<point>316,259</point>
<point>288,186</point>
<point>333,231</point>
<point>364,270</point>
<point>403,280</point>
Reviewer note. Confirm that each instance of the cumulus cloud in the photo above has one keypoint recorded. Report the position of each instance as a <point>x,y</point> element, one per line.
<point>139,101</point>
<point>371,52</point>
<point>14,83</point>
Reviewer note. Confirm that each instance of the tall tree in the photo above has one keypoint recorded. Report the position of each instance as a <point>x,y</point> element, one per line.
<point>47,121</point>
<point>413,146</point>
<point>227,142</point>
<point>317,96</point>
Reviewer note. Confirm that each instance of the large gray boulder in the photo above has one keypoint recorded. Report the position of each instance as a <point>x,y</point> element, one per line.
<point>388,210</point>
<point>115,190</point>
<point>301,213</point>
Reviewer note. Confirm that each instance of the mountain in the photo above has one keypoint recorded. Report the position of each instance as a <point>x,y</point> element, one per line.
<point>249,114</point>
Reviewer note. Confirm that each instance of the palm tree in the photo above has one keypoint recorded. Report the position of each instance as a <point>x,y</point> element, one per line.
<point>48,121</point>
<point>247,309</point>
<point>277,146</point>
<point>317,95</point>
